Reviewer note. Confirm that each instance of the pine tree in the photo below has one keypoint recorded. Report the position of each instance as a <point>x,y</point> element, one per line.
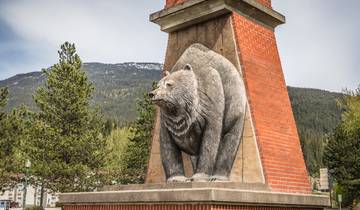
<point>66,147</point>
<point>4,92</point>
<point>117,143</point>
<point>11,135</point>
<point>342,153</point>
<point>137,153</point>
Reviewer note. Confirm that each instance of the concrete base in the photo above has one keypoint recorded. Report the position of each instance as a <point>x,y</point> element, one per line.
<point>182,195</point>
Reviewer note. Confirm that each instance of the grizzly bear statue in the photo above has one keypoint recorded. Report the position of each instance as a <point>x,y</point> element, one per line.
<point>202,106</point>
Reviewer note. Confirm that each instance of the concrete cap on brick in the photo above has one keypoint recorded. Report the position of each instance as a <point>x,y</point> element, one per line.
<point>196,11</point>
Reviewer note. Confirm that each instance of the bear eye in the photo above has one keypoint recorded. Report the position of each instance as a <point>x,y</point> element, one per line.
<point>168,84</point>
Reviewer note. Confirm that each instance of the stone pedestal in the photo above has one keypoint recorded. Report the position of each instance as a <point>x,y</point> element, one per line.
<point>192,196</point>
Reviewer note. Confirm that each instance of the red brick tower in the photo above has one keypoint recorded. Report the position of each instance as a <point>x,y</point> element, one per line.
<point>274,122</point>
<point>249,26</point>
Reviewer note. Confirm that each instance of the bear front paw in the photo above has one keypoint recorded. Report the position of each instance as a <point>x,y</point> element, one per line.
<point>200,177</point>
<point>177,179</point>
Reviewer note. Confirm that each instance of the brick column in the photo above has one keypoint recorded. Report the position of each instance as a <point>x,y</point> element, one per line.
<point>272,115</point>
<point>271,111</point>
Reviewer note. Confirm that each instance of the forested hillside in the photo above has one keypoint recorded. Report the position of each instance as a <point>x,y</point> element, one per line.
<point>118,85</point>
<point>316,114</point>
<point>315,110</point>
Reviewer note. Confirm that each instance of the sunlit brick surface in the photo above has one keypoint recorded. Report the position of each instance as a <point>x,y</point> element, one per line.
<point>270,107</point>
<point>265,2</point>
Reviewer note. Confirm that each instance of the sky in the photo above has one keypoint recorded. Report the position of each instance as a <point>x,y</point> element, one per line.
<point>319,45</point>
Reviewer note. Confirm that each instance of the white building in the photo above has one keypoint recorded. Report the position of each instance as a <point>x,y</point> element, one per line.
<point>33,195</point>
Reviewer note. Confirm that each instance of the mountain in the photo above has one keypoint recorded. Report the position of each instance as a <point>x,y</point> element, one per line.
<point>315,111</point>
<point>116,87</point>
<point>316,114</point>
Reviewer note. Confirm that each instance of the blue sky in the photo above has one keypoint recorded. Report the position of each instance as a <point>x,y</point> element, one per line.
<point>319,45</point>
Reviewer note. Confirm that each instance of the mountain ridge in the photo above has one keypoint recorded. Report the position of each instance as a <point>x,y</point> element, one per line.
<point>118,85</point>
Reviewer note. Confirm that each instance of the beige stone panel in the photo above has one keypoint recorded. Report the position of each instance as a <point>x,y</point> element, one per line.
<point>155,171</point>
<point>251,162</point>
<point>247,165</point>
<point>187,165</point>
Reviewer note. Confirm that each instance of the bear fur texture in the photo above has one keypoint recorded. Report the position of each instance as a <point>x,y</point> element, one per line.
<point>202,106</point>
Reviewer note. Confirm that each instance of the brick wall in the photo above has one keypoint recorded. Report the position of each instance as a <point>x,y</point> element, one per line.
<point>176,207</point>
<point>265,2</point>
<point>270,107</point>
<point>170,3</point>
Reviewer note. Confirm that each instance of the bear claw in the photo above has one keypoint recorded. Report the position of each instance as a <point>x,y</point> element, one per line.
<point>218,178</point>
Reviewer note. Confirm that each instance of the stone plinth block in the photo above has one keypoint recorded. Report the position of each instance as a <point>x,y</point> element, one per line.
<point>191,196</point>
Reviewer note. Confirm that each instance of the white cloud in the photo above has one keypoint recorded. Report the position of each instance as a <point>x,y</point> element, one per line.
<point>105,31</point>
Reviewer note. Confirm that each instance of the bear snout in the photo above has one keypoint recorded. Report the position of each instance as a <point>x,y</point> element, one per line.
<point>154,96</point>
<point>151,95</point>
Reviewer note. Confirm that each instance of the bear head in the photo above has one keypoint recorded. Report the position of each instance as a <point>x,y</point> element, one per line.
<point>176,91</point>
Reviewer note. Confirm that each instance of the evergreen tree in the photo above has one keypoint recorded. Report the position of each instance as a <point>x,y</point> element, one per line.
<point>137,153</point>
<point>4,92</point>
<point>317,115</point>
<point>109,126</point>
<point>117,143</point>
<point>312,146</point>
<point>66,145</point>
<point>351,116</point>
<point>11,135</point>
<point>342,153</point>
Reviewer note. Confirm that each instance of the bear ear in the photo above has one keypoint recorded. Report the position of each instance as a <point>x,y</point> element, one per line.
<point>188,67</point>
<point>166,73</point>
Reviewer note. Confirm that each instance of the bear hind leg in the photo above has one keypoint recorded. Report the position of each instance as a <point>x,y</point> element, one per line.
<point>227,151</point>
